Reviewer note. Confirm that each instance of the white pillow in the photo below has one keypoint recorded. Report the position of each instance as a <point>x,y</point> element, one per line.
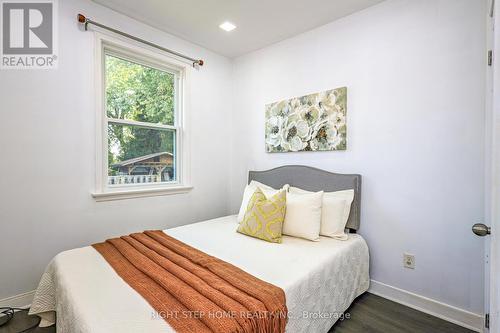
<point>334,213</point>
<point>303,215</point>
<point>250,190</point>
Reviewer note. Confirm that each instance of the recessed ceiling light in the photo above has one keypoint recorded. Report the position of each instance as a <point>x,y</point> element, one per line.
<point>227,26</point>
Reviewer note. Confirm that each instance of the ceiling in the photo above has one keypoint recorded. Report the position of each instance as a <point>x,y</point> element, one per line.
<point>259,22</point>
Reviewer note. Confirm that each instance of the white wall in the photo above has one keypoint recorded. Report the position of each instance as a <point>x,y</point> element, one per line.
<point>47,153</point>
<point>415,72</point>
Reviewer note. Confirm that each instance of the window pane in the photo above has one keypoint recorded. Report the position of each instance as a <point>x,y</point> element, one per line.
<point>137,92</point>
<point>140,155</point>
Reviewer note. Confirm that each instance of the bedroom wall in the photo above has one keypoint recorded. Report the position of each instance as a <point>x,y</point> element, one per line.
<point>47,151</point>
<point>415,72</point>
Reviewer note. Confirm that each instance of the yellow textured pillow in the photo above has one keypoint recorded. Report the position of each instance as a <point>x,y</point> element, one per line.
<point>264,217</point>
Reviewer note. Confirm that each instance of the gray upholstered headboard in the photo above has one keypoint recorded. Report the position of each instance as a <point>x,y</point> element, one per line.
<point>312,179</point>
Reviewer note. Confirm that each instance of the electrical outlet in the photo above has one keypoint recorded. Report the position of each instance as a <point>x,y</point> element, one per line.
<point>409,260</point>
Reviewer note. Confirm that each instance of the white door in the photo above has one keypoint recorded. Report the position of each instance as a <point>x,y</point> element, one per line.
<point>492,179</point>
<point>492,244</point>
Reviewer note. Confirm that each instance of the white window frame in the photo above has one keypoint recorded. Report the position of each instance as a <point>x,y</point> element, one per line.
<point>149,57</point>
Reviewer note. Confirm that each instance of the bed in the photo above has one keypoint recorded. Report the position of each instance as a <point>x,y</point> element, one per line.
<point>81,292</point>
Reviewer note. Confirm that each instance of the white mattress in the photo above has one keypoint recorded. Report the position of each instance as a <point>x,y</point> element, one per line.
<point>320,280</point>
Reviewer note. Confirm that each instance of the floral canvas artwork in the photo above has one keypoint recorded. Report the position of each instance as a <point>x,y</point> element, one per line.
<point>315,122</point>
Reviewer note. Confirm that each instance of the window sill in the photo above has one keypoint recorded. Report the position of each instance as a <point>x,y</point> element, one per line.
<point>123,194</point>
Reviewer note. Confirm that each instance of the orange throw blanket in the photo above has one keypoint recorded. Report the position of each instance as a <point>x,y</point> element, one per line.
<point>191,290</point>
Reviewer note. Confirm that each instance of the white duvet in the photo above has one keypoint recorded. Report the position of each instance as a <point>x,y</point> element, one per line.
<point>320,280</point>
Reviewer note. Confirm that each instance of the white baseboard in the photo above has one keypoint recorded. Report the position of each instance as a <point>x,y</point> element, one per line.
<point>472,321</point>
<point>18,301</point>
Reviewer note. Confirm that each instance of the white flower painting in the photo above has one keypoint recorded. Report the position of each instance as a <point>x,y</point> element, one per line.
<point>315,122</point>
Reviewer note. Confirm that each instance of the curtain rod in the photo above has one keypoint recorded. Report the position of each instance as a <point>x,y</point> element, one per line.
<point>86,21</point>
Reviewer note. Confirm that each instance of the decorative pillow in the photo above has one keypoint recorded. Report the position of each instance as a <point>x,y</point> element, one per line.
<point>264,217</point>
<point>250,190</point>
<point>334,212</point>
<point>303,215</point>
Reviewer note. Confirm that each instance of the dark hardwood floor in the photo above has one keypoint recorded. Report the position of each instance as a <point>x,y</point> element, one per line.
<point>373,314</point>
<point>368,314</point>
<point>21,322</point>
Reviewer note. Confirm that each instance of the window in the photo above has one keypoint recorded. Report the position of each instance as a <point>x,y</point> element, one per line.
<point>142,109</point>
